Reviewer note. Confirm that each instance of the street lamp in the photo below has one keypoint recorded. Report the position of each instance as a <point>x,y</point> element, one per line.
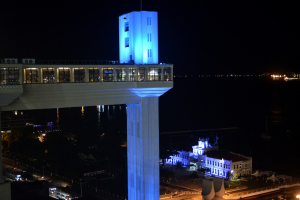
<point>80,188</point>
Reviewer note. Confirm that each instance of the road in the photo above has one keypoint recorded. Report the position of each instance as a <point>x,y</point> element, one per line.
<point>58,181</point>
<point>8,164</point>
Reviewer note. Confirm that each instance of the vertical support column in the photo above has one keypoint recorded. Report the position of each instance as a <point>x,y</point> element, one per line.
<point>146,73</point>
<point>86,74</point>
<point>143,149</point>
<point>172,76</point>
<point>20,75</point>
<point>71,75</point>
<point>1,171</point>
<point>39,76</point>
<point>162,74</point>
<point>55,74</point>
<point>101,74</point>
<point>127,74</point>
<point>136,73</point>
<point>114,74</point>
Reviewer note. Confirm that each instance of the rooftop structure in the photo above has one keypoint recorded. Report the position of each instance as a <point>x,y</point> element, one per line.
<point>138,38</point>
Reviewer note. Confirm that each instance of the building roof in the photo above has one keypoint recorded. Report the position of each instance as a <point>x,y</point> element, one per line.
<point>225,155</point>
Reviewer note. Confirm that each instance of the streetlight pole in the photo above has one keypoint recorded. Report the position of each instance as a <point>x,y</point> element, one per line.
<point>80,188</point>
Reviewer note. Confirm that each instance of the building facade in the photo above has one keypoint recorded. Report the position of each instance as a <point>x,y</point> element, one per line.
<point>220,163</point>
<point>138,38</point>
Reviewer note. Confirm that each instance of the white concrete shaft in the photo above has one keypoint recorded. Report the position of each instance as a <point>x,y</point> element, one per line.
<point>143,149</point>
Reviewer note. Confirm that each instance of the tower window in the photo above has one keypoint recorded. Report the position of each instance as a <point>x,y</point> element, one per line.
<point>148,37</point>
<point>126,26</point>
<point>149,53</point>
<point>127,42</point>
<point>148,20</point>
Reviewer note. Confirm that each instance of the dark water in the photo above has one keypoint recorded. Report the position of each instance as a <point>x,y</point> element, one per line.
<point>254,105</point>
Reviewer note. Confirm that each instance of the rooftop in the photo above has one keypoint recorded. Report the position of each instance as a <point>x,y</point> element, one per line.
<point>225,155</point>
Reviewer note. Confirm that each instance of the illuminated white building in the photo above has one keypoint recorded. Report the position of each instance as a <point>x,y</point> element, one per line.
<point>220,163</point>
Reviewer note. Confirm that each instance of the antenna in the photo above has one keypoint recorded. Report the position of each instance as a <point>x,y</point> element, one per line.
<point>141,4</point>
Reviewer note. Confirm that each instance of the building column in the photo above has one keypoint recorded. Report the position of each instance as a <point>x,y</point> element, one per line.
<point>86,69</point>
<point>127,74</point>
<point>55,74</point>
<point>114,74</point>
<point>71,75</point>
<point>1,171</point>
<point>136,74</point>
<point>101,74</point>
<point>21,75</point>
<point>162,74</point>
<point>143,149</point>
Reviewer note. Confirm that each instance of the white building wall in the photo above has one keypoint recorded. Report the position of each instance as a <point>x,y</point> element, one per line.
<point>182,157</point>
<point>141,24</point>
<point>218,167</point>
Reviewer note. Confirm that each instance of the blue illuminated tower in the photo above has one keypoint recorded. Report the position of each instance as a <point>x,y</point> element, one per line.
<point>138,38</point>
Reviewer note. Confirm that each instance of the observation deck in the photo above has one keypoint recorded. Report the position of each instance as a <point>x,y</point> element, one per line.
<point>73,83</point>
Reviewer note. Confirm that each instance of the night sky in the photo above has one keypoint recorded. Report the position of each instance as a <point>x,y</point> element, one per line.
<point>198,37</point>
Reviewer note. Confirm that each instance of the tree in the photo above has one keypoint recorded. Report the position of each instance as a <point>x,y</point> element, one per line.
<point>204,170</point>
<point>229,175</point>
<point>179,165</point>
<point>166,173</point>
<point>193,175</point>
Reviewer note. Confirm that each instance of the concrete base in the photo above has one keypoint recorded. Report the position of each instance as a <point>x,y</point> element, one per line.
<point>143,149</point>
<point>5,191</point>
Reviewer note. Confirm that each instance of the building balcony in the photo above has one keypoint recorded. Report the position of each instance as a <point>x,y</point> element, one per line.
<point>39,86</point>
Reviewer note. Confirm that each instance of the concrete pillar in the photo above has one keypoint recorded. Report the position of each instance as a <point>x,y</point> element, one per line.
<point>172,76</point>
<point>56,74</point>
<point>146,74</point>
<point>136,73</point>
<point>143,149</point>
<point>127,74</point>
<point>101,74</point>
<point>71,75</point>
<point>114,74</point>
<point>86,74</point>
<point>1,171</point>
<point>162,74</point>
<point>21,75</point>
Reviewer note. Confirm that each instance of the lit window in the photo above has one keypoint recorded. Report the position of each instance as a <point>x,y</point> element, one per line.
<point>126,26</point>
<point>127,42</point>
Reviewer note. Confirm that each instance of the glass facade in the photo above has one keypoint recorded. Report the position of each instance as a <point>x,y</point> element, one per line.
<point>70,74</point>
<point>48,75</point>
<point>141,74</point>
<point>167,74</point>
<point>94,75</point>
<point>108,74</point>
<point>9,76</point>
<point>154,74</point>
<point>79,75</point>
<point>132,74</point>
<point>31,75</point>
<point>121,74</point>
<point>64,75</point>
